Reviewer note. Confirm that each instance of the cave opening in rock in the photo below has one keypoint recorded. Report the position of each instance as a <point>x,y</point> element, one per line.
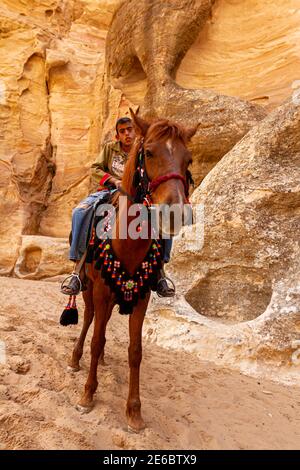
<point>31,260</point>
<point>133,83</point>
<point>232,294</point>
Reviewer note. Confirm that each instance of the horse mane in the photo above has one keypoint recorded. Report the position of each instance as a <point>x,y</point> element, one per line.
<point>130,167</point>
<point>161,129</point>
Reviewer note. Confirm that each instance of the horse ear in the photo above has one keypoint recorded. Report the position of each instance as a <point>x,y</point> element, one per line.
<point>140,124</point>
<point>191,131</point>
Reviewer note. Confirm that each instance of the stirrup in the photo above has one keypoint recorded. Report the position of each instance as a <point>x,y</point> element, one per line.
<point>165,278</point>
<point>65,284</point>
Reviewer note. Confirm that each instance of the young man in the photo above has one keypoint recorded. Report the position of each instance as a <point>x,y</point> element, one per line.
<point>106,173</point>
<point>109,166</point>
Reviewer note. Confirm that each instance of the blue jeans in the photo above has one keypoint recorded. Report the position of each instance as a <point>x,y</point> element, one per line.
<point>167,246</point>
<point>81,224</point>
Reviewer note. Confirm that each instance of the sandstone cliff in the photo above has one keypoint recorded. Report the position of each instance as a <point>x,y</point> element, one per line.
<point>59,98</point>
<point>70,68</point>
<point>246,275</point>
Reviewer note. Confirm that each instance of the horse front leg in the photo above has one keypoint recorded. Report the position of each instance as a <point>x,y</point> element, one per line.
<point>103,307</point>
<point>133,410</point>
<point>88,318</point>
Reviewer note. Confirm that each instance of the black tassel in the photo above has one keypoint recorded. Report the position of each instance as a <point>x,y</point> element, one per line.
<point>69,317</point>
<point>70,313</point>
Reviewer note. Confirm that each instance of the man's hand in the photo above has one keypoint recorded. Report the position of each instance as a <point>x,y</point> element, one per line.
<point>113,181</point>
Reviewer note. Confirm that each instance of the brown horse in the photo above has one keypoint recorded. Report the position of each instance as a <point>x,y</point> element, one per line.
<point>166,164</point>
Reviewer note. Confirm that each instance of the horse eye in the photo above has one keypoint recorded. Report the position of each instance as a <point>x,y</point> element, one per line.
<point>148,154</point>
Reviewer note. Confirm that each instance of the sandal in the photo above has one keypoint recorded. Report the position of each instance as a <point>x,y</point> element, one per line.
<point>163,290</point>
<point>73,287</point>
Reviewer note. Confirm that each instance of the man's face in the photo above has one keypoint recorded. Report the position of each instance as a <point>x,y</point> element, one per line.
<point>126,134</point>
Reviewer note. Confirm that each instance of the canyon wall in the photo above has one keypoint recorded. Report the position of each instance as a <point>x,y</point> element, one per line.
<point>69,69</point>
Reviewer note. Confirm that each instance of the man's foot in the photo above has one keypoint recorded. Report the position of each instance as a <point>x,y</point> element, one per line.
<point>163,290</point>
<point>73,287</point>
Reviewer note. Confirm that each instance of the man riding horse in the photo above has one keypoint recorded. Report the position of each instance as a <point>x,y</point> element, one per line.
<point>106,173</point>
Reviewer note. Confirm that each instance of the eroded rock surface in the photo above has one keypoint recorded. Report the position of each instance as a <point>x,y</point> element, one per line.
<point>248,267</point>
<point>52,58</point>
<point>221,64</point>
<point>150,39</point>
<point>42,257</point>
<point>55,111</point>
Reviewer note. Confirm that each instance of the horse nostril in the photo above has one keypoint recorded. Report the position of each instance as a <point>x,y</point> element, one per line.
<point>171,216</point>
<point>169,201</point>
<point>173,198</point>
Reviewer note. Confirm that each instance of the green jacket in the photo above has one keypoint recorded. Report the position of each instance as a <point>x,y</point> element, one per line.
<point>110,162</point>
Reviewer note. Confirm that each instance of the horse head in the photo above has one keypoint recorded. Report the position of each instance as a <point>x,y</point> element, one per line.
<point>165,161</point>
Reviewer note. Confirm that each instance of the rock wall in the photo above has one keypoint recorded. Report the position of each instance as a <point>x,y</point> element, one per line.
<point>251,203</point>
<point>246,275</point>
<point>70,68</point>
<point>138,35</point>
<point>52,62</point>
<point>248,49</point>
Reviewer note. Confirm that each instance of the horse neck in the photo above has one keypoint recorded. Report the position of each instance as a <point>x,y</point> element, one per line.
<point>129,251</point>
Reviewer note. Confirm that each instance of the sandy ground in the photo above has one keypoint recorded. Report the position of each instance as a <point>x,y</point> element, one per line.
<point>186,403</point>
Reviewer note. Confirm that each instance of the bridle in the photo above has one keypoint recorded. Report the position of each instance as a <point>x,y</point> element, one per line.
<point>153,185</point>
<point>145,187</point>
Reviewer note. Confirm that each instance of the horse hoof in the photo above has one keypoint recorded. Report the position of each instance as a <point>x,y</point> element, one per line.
<point>73,369</point>
<point>135,430</point>
<point>84,409</point>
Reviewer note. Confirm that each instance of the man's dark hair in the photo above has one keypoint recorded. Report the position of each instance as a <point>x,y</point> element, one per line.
<point>122,120</point>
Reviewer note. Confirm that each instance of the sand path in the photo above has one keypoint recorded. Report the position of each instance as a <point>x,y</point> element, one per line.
<point>186,403</point>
